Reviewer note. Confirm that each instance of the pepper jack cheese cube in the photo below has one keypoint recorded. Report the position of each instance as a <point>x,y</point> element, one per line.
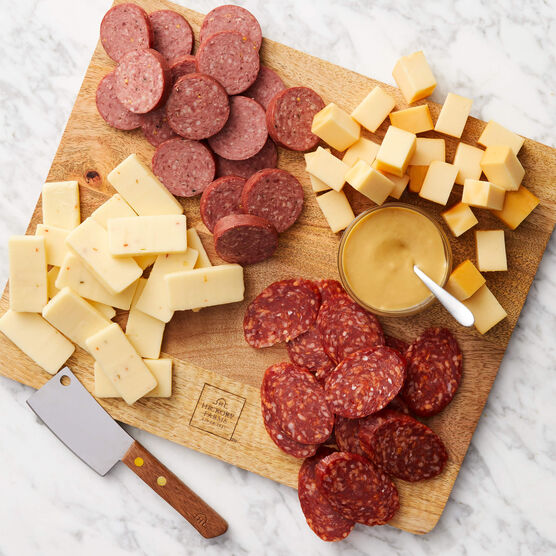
<point>122,366</point>
<point>453,115</point>
<point>399,183</point>
<point>89,241</point>
<point>483,194</point>
<point>427,151</point>
<point>369,182</point>
<point>60,204</point>
<point>396,150</point>
<point>51,277</point>
<point>327,168</point>
<point>486,309</point>
<point>465,280</point>
<point>468,162</point>
<point>373,109</point>
<point>205,287</point>
<point>439,182</point>
<point>105,310</point>
<point>55,243</point>
<point>335,127</point>
<point>491,250</point>
<point>495,134</point>
<point>37,339</point>
<point>141,189</point>
<point>414,77</point>
<point>336,210</point>
<point>415,119</point>
<point>459,219</point>
<point>416,177</point>
<point>517,206</point>
<point>194,241</point>
<point>502,167</point>
<point>364,149</point>
<point>115,207</point>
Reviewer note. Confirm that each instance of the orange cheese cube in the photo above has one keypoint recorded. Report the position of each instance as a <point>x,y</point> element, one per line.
<point>415,120</point>
<point>501,166</point>
<point>396,151</point>
<point>517,207</point>
<point>459,219</point>
<point>414,77</point>
<point>486,309</point>
<point>465,280</point>
<point>468,162</point>
<point>416,177</point>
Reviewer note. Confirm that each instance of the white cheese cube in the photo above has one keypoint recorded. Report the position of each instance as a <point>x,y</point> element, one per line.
<point>316,184</point>
<point>369,182</point>
<point>115,207</point>
<point>414,77</point>
<point>327,168</point>
<point>396,150</point>
<point>501,167</point>
<point>491,250</point>
<point>453,115</point>
<point>194,241</point>
<point>468,162</point>
<point>439,182</point>
<point>374,109</point>
<point>483,194</point>
<point>364,149</point>
<point>55,242</point>
<point>335,127</point>
<point>60,204</point>
<point>427,151</point>
<point>459,219</point>
<point>336,209</point>
<point>495,134</point>
<point>486,309</point>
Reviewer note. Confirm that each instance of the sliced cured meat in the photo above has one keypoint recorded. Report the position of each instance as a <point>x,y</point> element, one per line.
<point>298,402</point>
<point>244,238</point>
<point>402,446</point>
<point>346,327</point>
<point>198,106</point>
<point>156,128</point>
<point>281,312</point>
<point>395,343</point>
<point>231,59</point>
<point>289,117</point>
<point>397,404</point>
<point>142,80</point>
<point>357,489</point>
<point>184,167</point>
<point>306,351</point>
<point>267,85</point>
<point>221,198</point>
<point>365,382</point>
<point>124,28</point>
<point>322,518</point>
<point>112,111</point>
<point>346,432</point>
<point>434,368</point>
<point>244,134</point>
<point>267,157</point>
<point>173,36</point>
<point>275,195</point>
<point>329,288</point>
<point>232,18</point>
<point>184,66</point>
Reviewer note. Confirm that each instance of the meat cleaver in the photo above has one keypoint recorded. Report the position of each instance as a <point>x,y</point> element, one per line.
<point>76,418</point>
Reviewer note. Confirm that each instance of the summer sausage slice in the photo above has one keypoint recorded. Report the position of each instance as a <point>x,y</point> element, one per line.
<point>142,80</point>
<point>244,134</point>
<point>198,106</point>
<point>183,66</point>
<point>275,195</point>
<point>244,238</point>
<point>173,36</point>
<point>221,198</point>
<point>124,28</point>
<point>156,128</point>
<point>267,85</point>
<point>112,111</point>
<point>267,157</point>
<point>231,59</point>
<point>185,167</point>
<point>232,18</point>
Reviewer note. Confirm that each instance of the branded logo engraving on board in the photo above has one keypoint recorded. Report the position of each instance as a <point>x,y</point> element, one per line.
<point>200,519</point>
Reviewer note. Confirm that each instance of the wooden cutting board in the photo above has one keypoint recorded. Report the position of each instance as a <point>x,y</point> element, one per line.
<point>215,405</point>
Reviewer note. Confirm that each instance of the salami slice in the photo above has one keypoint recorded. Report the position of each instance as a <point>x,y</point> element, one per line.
<point>183,66</point>
<point>402,446</point>
<point>155,127</point>
<point>173,36</point>
<point>244,238</point>
<point>399,345</point>
<point>232,18</point>
<point>329,288</point>
<point>112,111</point>
<point>142,80</point>
<point>267,85</point>
<point>231,59</point>
<point>221,198</point>
<point>267,157</point>
<point>289,117</point>
<point>185,167</point>
<point>321,517</point>
<point>306,351</point>
<point>244,134</point>
<point>397,404</point>
<point>124,28</point>
<point>365,382</point>
<point>346,432</point>
<point>434,368</point>
<point>275,195</point>
<point>282,311</point>
<point>357,489</point>
<point>198,106</point>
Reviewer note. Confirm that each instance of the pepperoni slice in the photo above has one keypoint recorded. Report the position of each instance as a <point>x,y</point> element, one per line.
<point>329,288</point>
<point>395,343</point>
<point>307,351</point>
<point>346,432</point>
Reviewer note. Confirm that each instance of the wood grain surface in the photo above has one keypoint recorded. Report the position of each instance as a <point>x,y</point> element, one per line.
<point>215,405</point>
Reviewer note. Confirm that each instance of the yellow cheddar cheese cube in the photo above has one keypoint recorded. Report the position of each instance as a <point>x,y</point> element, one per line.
<point>468,162</point>
<point>486,309</point>
<point>491,250</point>
<point>501,166</point>
<point>396,150</point>
<point>336,209</point>
<point>400,183</point>
<point>414,77</point>
<point>439,182</point>
<point>427,151</point>
<point>335,127</point>
<point>364,149</point>
<point>416,119</point>
<point>416,177</point>
<point>465,280</point>
<point>459,219</point>
<point>373,109</point>
<point>517,207</point>
<point>453,115</point>
<point>369,182</point>
<point>327,168</point>
<point>495,134</point>
<point>483,194</point>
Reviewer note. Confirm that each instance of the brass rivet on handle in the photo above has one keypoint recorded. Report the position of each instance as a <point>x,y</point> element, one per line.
<point>161,481</point>
<point>138,462</point>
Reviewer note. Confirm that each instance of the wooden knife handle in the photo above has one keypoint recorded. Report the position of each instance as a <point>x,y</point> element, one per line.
<point>209,523</point>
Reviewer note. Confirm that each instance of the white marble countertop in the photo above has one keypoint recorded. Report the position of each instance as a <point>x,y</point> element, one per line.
<point>501,53</point>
